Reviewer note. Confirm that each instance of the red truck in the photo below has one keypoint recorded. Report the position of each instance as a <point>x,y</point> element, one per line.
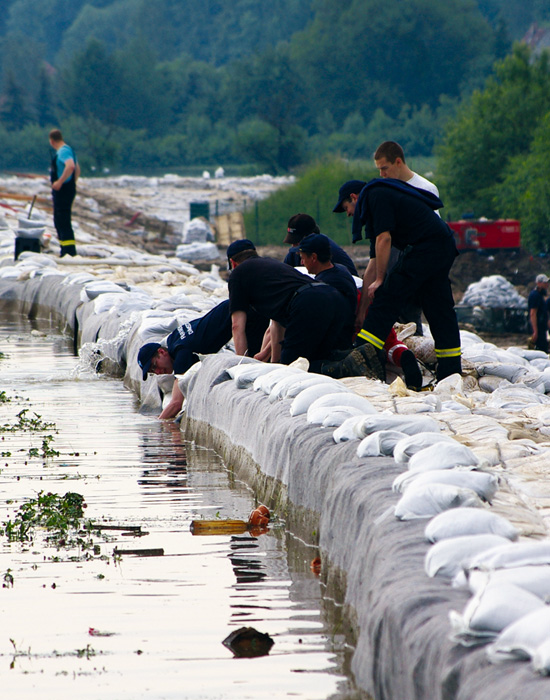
<point>487,236</point>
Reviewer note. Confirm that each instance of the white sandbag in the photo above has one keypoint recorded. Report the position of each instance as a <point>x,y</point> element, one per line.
<point>431,499</point>
<point>484,484</point>
<point>266,382</point>
<point>541,658</point>
<point>447,557</point>
<point>381,443</point>
<point>94,289</point>
<point>305,398</point>
<point>411,444</point>
<point>311,379</point>
<point>351,429</point>
<point>491,610</point>
<point>468,521</point>
<point>443,455</point>
<point>513,554</point>
<point>331,415</point>
<point>339,399</point>
<point>336,415</point>
<point>522,638</point>
<point>197,251</point>
<point>410,425</point>
<point>246,373</point>
<point>281,387</point>
<point>535,579</point>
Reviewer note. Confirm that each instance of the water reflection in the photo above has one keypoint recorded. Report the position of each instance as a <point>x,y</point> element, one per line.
<point>166,616</point>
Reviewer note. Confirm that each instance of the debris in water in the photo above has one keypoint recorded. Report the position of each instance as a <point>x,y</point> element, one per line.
<point>246,642</point>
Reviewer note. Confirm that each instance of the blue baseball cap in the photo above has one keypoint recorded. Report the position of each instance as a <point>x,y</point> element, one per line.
<point>145,357</point>
<point>348,188</point>
<point>315,243</point>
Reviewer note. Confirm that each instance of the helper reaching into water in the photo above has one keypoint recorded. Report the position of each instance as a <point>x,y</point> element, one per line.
<point>180,350</point>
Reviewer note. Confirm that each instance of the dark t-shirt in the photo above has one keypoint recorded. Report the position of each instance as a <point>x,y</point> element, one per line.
<point>339,278</point>
<point>209,333</point>
<point>266,286</point>
<point>337,255</point>
<point>537,301</point>
<point>409,220</point>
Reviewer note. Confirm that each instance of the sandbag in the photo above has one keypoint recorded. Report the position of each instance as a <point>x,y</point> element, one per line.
<point>522,638</point>
<point>431,499</point>
<point>332,417</point>
<point>493,608</point>
<point>513,554</point>
<point>411,444</point>
<point>535,579</point>
<point>468,521</point>
<point>340,399</point>
<point>265,382</point>
<point>410,425</point>
<point>305,398</point>
<point>379,444</point>
<point>447,557</point>
<point>443,455</point>
<point>351,429</point>
<point>484,484</point>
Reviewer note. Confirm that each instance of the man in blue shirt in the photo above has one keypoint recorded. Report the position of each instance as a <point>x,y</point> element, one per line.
<point>64,172</point>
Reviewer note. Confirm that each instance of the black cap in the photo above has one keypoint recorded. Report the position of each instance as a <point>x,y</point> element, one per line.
<point>238,246</point>
<point>316,243</point>
<point>298,226</point>
<point>348,188</point>
<point>145,357</point>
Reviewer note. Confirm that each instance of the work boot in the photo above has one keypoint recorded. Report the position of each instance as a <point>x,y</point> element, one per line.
<point>411,371</point>
<point>447,366</point>
<point>366,361</point>
<point>333,369</point>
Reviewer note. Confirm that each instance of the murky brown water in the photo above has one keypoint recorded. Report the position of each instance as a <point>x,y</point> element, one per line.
<point>166,616</point>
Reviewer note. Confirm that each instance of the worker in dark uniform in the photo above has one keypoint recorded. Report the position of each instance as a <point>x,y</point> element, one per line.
<point>397,214</point>
<point>64,172</point>
<point>538,314</point>
<point>308,317</point>
<point>315,255</point>
<point>301,225</point>
<point>205,335</point>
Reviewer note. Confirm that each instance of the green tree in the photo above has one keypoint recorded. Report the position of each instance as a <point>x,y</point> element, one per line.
<point>492,127</point>
<point>525,191</point>
<point>15,110</point>
<point>89,86</point>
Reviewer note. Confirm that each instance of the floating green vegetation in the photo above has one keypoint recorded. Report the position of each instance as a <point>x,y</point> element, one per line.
<point>45,451</point>
<point>4,398</point>
<point>30,424</point>
<point>60,516</point>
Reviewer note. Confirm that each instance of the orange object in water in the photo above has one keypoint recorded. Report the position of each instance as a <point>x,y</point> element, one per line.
<point>257,518</point>
<point>264,510</point>
<point>315,566</point>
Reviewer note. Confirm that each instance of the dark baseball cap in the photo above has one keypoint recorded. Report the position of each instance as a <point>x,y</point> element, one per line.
<point>348,188</point>
<point>238,246</point>
<point>315,243</point>
<point>298,226</point>
<point>145,357</point>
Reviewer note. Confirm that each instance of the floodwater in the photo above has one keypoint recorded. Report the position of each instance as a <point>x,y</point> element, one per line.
<point>79,622</point>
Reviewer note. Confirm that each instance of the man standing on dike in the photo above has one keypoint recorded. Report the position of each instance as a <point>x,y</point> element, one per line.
<point>64,172</point>
<point>538,313</point>
<point>308,317</point>
<point>394,213</point>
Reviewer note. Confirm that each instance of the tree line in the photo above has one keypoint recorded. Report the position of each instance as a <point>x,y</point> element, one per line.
<point>146,83</point>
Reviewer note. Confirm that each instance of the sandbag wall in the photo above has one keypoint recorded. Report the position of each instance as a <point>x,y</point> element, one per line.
<point>334,500</point>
